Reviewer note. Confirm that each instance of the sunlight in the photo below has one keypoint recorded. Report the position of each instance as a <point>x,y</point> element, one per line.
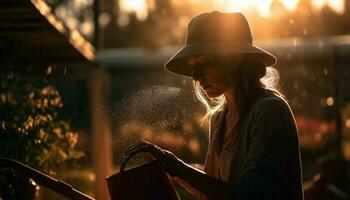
<point>290,4</point>
<point>233,5</point>
<point>132,5</point>
<point>318,3</point>
<point>138,6</point>
<point>336,5</point>
<point>262,6</point>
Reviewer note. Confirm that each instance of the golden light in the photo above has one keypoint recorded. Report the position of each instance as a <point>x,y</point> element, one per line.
<point>194,146</point>
<point>290,4</point>
<point>132,5</point>
<point>318,3</point>
<point>336,5</point>
<point>347,123</point>
<point>262,6</point>
<point>330,101</point>
<point>317,137</point>
<point>233,5</point>
<point>75,38</point>
<point>137,6</point>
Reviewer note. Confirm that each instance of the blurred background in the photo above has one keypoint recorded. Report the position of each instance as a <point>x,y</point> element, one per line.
<point>81,80</point>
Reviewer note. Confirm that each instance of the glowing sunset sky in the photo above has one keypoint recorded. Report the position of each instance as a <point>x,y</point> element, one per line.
<point>263,6</point>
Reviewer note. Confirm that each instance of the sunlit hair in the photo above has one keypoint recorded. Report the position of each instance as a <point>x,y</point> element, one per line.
<point>250,78</point>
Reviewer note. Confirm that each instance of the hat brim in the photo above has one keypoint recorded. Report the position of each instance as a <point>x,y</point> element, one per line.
<point>178,63</point>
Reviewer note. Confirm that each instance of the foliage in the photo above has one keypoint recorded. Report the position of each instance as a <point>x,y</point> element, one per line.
<point>30,130</point>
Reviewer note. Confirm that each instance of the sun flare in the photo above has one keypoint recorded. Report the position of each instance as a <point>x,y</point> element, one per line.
<point>262,6</point>
<point>336,5</point>
<point>137,6</point>
<point>290,4</point>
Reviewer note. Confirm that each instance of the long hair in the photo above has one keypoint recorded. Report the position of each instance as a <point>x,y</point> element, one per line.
<point>250,78</point>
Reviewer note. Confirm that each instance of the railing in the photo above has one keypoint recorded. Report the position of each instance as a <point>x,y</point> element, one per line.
<point>42,179</point>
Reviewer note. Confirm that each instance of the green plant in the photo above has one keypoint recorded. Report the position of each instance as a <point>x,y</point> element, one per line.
<point>30,130</point>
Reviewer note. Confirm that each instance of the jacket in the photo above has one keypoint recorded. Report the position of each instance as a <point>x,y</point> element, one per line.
<point>264,154</point>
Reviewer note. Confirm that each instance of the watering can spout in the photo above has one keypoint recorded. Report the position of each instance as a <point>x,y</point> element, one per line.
<point>42,179</point>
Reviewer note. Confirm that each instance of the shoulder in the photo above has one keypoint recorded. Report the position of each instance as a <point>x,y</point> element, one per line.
<point>271,103</point>
<point>273,115</point>
<point>271,109</point>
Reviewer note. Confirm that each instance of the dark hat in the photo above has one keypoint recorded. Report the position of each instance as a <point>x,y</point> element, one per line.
<point>216,33</point>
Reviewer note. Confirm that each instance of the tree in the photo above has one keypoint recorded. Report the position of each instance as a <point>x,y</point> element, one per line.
<point>30,130</point>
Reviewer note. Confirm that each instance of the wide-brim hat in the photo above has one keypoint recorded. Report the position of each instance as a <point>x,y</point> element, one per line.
<point>217,33</point>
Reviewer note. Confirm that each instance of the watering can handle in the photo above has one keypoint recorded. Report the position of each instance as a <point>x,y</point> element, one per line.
<point>125,160</point>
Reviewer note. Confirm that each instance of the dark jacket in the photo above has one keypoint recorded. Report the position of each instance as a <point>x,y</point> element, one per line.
<point>265,163</point>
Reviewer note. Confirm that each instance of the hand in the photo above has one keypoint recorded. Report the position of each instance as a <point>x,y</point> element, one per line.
<point>167,160</point>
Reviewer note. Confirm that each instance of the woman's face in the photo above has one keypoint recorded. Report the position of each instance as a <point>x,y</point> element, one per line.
<point>213,78</point>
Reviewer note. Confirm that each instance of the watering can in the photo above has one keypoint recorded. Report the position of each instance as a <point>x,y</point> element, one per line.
<point>144,182</point>
<point>147,182</point>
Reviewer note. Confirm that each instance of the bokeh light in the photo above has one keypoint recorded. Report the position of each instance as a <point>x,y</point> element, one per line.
<point>137,6</point>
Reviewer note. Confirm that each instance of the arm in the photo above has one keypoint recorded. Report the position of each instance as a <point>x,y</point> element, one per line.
<point>196,179</point>
<point>201,184</point>
<point>188,187</point>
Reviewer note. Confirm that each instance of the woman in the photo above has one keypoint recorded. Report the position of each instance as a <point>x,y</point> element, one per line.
<point>253,149</point>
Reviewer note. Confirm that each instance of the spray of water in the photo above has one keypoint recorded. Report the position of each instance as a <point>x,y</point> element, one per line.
<point>149,113</point>
<point>155,106</point>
